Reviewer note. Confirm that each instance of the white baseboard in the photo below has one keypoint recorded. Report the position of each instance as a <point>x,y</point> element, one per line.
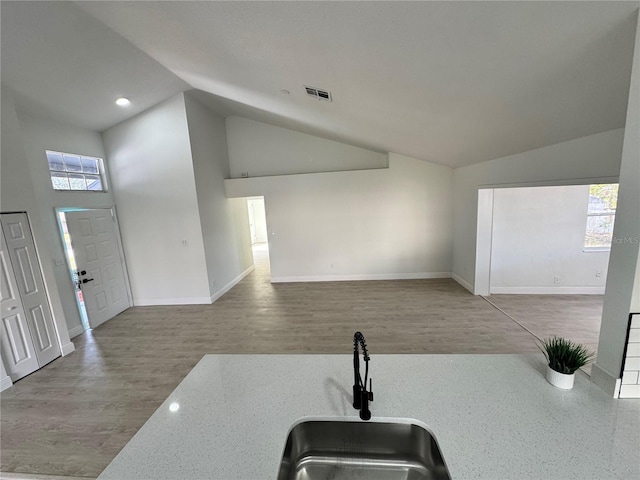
<point>148,302</point>
<point>68,348</point>
<point>361,277</point>
<point>462,282</point>
<point>75,331</point>
<point>548,290</point>
<point>232,284</point>
<point>5,383</point>
<point>605,380</point>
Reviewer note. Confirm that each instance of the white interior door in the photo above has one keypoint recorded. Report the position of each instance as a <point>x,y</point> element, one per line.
<point>95,245</point>
<point>24,260</point>
<point>18,352</point>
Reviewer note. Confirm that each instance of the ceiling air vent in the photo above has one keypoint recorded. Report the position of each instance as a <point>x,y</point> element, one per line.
<point>318,93</point>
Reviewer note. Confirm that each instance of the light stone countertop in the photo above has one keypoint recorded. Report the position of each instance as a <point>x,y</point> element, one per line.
<point>494,416</point>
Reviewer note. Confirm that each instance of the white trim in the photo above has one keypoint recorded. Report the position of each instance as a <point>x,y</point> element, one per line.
<point>484,242</point>
<point>462,282</point>
<point>232,284</point>
<point>68,348</point>
<point>147,302</point>
<point>75,331</point>
<point>362,276</point>
<point>605,380</point>
<point>5,383</point>
<point>548,290</point>
<point>554,183</point>
<point>122,257</point>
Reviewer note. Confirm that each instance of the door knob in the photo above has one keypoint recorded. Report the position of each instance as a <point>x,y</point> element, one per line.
<point>87,280</point>
<point>12,308</point>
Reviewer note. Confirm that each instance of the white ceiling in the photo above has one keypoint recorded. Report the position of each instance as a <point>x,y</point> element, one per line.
<point>61,63</point>
<point>449,82</point>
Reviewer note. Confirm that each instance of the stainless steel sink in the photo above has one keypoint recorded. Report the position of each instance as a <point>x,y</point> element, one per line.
<point>328,449</point>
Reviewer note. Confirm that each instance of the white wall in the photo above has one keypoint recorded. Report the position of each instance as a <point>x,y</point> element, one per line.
<point>153,179</point>
<point>368,224</point>
<point>5,380</point>
<point>224,222</point>
<point>592,159</point>
<point>39,135</point>
<point>538,234</point>
<point>261,149</point>
<point>635,298</point>
<point>623,275</point>
<point>17,194</point>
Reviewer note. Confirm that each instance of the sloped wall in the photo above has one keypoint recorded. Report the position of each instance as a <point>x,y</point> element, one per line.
<point>378,223</point>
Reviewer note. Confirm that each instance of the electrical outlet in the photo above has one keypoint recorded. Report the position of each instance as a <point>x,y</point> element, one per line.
<point>598,273</point>
<point>185,243</point>
<point>556,279</point>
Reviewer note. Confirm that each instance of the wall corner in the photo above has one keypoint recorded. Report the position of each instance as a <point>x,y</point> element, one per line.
<point>605,380</point>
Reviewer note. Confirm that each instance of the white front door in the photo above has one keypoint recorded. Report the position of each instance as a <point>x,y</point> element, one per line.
<point>30,285</point>
<point>18,353</point>
<point>97,252</point>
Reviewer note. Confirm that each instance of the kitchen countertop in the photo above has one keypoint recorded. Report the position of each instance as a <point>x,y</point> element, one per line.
<point>494,417</point>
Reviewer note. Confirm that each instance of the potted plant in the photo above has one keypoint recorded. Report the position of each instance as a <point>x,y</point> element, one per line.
<point>564,357</point>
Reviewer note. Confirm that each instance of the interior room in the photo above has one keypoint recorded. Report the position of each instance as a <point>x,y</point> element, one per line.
<point>201,202</point>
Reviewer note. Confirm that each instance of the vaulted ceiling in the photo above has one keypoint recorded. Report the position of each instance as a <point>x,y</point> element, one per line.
<point>454,83</point>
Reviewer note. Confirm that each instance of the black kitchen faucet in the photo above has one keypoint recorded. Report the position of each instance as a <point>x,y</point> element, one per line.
<point>361,397</point>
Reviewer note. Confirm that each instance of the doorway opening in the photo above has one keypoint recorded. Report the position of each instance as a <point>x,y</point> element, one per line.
<point>257,220</point>
<point>259,233</point>
<point>542,256</point>
<point>73,268</point>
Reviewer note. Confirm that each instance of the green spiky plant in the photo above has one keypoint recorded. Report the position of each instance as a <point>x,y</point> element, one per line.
<point>565,356</point>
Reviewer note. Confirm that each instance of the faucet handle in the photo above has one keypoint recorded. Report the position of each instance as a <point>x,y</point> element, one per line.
<point>357,397</point>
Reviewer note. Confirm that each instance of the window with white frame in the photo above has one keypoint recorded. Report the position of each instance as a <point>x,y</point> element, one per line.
<point>75,172</point>
<point>601,215</point>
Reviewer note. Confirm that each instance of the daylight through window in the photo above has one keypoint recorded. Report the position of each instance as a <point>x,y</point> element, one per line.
<point>75,172</point>
<point>601,214</point>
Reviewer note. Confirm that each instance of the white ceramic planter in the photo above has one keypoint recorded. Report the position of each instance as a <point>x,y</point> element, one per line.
<point>560,380</point>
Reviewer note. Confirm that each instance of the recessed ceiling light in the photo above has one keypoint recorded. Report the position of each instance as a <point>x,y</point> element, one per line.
<point>122,102</point>
<point>174,407</point>
<point>285,91</point>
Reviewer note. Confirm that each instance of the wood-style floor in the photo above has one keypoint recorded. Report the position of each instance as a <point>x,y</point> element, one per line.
<point>73,416</point>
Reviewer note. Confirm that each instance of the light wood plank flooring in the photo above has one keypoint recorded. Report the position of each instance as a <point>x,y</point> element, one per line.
<point>73,416</point>
<point>576,317</point>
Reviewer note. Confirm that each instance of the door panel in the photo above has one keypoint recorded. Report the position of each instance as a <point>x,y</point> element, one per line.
<point>30,286</point>
<point>18,352</point>
<point>26,278</point>
<point>42,334</point>
<point>95,243</point>
<point>19,340</point>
